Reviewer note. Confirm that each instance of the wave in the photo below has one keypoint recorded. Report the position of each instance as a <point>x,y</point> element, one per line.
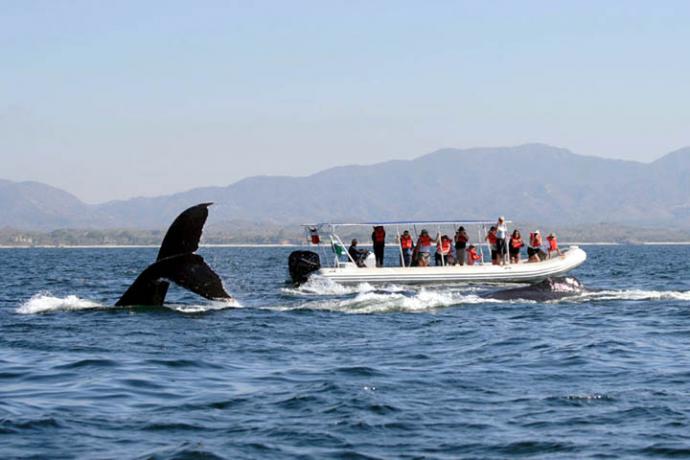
<point>630,294</point>
<point>46,303</point>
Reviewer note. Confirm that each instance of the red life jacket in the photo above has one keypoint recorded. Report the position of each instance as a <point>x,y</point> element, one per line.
<point>491,237</point>
<point>472,255</point>
<point>425,240</point>
<point>462,238</point>
<point>516,243</point>
<point>314,236</point>
<point>379,235</point>
<point>534,240</point>
<point>406,241</point>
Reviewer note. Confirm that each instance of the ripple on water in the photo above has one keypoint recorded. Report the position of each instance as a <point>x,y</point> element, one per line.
<point>326,371</point>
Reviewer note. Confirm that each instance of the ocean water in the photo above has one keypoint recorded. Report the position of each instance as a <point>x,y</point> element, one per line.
<point>324,371</point>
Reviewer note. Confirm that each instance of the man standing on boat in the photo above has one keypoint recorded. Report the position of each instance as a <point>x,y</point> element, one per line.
<point>378,237</point>
<point>406,245</point>
<point>461,239</point>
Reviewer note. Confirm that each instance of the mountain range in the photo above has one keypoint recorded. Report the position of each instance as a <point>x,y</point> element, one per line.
<point>531,182</point>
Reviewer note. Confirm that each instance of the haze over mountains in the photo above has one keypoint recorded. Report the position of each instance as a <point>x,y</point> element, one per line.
<point>532,182</point>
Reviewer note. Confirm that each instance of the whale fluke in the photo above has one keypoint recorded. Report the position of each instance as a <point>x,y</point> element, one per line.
<point>184,233</point>
<point>177,262</point>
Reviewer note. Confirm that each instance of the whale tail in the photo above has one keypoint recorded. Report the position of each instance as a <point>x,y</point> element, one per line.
<point>177,263</point>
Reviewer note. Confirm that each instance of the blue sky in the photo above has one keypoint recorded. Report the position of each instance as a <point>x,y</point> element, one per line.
<point>118,99</point>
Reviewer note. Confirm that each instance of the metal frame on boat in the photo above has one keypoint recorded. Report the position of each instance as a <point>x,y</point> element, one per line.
<point>346,271</point>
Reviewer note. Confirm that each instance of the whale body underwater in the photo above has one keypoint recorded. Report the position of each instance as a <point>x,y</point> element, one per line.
<point>554,288</point>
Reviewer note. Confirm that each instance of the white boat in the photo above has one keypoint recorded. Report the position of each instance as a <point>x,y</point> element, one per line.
<point>344,270</point>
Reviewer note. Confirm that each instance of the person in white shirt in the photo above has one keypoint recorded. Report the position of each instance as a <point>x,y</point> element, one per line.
<point>501,235</point>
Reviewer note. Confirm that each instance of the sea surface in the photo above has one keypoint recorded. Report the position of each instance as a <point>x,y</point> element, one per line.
<point>324,371</point>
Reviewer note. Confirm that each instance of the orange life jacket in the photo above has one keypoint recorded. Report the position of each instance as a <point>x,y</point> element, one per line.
<point>406,241</point>
<point>472,256</point>
<point>379,235</point>
<point>443,246</point>
<point>553,244</point>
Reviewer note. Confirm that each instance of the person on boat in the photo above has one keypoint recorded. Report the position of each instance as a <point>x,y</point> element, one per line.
<point>378,237</point>
<point>461,240</point>
<point>534,250</point>
<point>514,246</point>
<point>501,235</point>
<point>472,255</point>
<point>406,245</point>
<point>358,255</point>
<point>423,249</point>
<point>491,239</point>
<point>443,251</point>
<point>553,245</point>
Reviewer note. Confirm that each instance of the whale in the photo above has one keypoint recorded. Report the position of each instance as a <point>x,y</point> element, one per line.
<point>177,263</point>
<point>554,288</point>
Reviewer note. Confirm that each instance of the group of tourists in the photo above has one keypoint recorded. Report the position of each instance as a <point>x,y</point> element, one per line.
<point>458,250</point>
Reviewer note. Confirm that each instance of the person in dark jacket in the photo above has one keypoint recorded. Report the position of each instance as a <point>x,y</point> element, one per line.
<point>358,255</point>
<point>378,237</point>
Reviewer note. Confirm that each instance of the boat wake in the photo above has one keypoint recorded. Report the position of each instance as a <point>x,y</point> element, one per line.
<point>629,295</point>
<point>320,286</point>
<point>380,301</point>
<point>46,303</point>
<point>324,294</point>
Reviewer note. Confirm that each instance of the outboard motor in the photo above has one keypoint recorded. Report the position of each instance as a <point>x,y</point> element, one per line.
<point>301,264</point>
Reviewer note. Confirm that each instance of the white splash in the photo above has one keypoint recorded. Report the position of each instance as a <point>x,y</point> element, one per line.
<point>319,286</point>
<point>213,306</point>
<point>44,303</point>
<point>381,302</point>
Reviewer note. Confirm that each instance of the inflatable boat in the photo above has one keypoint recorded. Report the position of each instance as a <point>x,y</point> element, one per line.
<point>344,269</point>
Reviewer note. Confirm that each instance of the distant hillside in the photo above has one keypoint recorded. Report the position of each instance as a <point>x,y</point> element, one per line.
<point>533,182</point>
<point>32,205</point>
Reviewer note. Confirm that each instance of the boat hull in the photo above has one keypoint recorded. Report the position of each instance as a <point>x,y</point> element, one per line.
<point>513,273</point>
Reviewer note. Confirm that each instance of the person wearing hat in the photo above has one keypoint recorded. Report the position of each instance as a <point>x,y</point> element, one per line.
<point>358,255</point>
<point>461,240</point>
<point>534,247</point>
<point>553,244</point>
